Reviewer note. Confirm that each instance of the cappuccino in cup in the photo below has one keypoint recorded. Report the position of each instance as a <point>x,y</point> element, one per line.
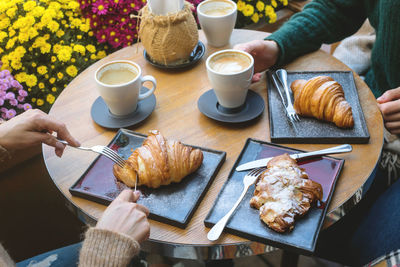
<point>217,19</point>
<point>230,62</point>
<point>217,8</point>
<point>230,72</point>
<point>117,76</point>
<point>119,83</point>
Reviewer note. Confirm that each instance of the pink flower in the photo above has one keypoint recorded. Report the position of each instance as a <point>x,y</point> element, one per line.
<point>20,98</point>
<point>100,7</point>
<point>10,113</point>
<point>13,102</point>
<point>22,93</point>
<point>10,95</point>
<point>1,101</point>
<point>27,106</point>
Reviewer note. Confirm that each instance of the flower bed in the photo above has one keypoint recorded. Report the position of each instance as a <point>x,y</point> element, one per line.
<point>45,44</point>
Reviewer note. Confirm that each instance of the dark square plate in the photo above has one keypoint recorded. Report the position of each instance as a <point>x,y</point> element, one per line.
<point>99,184</point>
<point>245,222</point>
<point>311,130</point>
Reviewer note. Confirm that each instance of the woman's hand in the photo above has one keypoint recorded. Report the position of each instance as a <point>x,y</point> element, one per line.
<point>389,104</point>
<point>126,217</point>
<point>34,127</point>
<point>264,52</point>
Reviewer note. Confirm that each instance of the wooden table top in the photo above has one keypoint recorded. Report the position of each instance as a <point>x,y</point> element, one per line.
<point>176,115</point>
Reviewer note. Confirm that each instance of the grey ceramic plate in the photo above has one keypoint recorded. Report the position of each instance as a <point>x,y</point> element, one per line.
<point>310,130</point>
<point>99,184</point>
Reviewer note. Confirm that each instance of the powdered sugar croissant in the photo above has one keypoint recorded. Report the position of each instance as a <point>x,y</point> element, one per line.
<point>323,98</point>
<point>159,162</point>
<point>284,193</point>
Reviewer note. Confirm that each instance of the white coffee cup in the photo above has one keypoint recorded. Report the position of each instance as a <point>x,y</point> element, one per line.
<point>217,19</point>
<point>230,72</point>
<point>119,83</point>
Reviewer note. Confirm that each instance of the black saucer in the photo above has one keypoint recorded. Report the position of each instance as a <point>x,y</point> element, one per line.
<point>103,117</point>
<point>251,109</point>
<point>195,56</point>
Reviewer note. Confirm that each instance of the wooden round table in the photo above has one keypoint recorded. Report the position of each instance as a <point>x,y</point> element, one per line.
<point>176,115</point>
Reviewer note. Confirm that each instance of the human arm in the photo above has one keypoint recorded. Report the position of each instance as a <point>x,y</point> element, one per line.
<point>389,104</point>
<point>116,237</point>
<point>320,22</point>
<point>34,127</point>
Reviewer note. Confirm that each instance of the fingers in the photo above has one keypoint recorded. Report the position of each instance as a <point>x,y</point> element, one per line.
<point>250,47</point>
<point>256,77</point>
<point>143,209</point>
<point>392,117</point>
<point>390,107</point>
<point>49,140</point>
<point>52,125</point>
<point>127,195</point>
<point>393,127</point>
<point>389,95</point>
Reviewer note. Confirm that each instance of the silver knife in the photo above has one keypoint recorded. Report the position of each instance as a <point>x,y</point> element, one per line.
<point>263,162</point>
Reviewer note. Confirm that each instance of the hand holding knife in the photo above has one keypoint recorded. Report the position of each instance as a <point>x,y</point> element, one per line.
<point>264,162</point>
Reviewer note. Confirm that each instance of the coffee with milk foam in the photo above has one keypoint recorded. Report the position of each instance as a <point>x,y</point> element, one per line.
<point>230,62</point>
<point>215,8</point>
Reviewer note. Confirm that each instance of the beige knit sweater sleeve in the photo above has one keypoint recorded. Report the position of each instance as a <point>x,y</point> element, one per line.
<point>105,248</point>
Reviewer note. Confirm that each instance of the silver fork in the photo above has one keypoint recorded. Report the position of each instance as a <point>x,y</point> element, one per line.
<point>282,76</point>
<point>249,179</point>
<point>103,150</point>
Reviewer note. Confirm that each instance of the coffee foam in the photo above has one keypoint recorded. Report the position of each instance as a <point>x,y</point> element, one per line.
<point>217,8</point>
<point>120,74</point>
<point>230,62</point>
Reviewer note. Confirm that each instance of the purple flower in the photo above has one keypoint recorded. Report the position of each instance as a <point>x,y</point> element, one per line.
<point>20,98</point>
<point>10,113</point>
<point>22,93</point>
<point>10,95</point>
<point>6,73</point>
<point>15,83</point>
<point>13,102</point>
<point>1,101</point>
<point>4,110</point>
<point>27,106</point>
<point>3,87</point>
<point>4,116</point>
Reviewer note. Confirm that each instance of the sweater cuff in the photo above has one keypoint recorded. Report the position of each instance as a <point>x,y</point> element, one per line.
<point>106,248</point>
<point>279,39</point>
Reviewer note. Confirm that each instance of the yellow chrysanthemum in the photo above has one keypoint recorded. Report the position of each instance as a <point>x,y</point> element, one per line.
<point>3,35</point>
<point>101,54</point>
<point>21,77</point>
<point>60,75</point>
<point>4,23</point>
<point>269,10</point>
<point>31,80</point>
<point>260,6</point>
<point>11,12</point>
<point>80,49</point>
<point>53,26</point>
<point>64,54</point>
<point>72,71</point>
<point>37,11</point>
<point>240,5</point>
<point>255,18</point>
<point>42,70</point>
<point>40,102</point>
<point>41,85</point>
<point>248,10</point>
<point>272,18</point>
<point>29,5</point>
<point>273,3</point>
<point>50,98</point>
<point>54,89</point>
<point>91,48</point>
<point>52,80</point>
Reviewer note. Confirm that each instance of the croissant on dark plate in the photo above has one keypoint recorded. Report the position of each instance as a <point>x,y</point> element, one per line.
<point>283,193</point>
<point>159,162</point>
<point>323,98</point>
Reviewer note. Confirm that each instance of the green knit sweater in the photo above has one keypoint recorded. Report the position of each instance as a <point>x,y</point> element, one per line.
<point>329,21</point>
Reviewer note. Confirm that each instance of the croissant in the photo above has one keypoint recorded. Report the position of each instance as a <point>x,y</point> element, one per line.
<point>284,193</point>
<point>158,162</point>
<point>323,98</point>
